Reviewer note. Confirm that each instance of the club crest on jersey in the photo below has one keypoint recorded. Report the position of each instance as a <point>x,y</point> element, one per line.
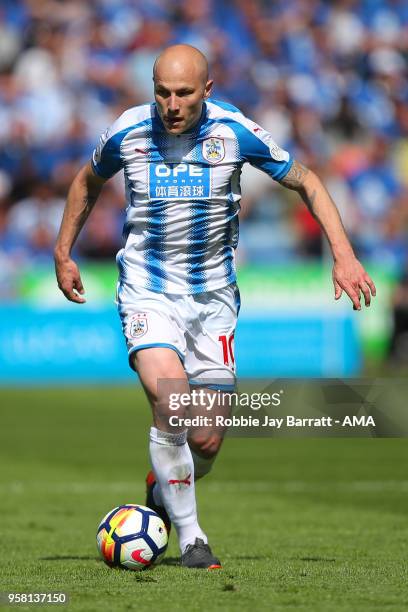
<point>137,326</point>
<point>213,150</point>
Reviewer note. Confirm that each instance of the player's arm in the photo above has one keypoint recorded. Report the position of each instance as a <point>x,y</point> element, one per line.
<point>348,273</point>
<point>82,196</point>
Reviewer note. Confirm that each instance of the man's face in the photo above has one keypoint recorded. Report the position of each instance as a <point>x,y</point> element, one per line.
<point>180,101</point>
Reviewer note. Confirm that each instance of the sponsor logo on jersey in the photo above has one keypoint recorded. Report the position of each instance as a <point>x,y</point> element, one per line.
<point>137,326</point>
<point>213,150</point>
<point>178,181</point>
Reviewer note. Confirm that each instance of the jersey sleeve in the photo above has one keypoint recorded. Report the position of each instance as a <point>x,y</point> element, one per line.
<point>259,149</point>
<point>106,157</point>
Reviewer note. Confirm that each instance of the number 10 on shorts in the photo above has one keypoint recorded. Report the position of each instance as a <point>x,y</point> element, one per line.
<point>227,343</point>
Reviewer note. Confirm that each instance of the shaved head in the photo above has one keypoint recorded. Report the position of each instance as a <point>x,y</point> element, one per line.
<point>181,60</point>
<point>181,85</point>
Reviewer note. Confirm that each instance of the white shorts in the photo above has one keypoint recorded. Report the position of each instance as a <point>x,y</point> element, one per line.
<point>199,328</point>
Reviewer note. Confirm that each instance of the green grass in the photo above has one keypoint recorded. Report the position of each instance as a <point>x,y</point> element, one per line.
<point>315,524</point>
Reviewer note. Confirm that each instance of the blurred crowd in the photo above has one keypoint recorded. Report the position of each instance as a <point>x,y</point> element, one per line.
<point>328,79</point>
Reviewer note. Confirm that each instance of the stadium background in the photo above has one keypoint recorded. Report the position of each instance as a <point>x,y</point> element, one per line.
<point>305,523</point>
<point>327,79</point>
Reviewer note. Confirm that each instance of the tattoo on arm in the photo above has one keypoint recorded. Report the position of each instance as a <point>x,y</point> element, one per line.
<point>295,177</point>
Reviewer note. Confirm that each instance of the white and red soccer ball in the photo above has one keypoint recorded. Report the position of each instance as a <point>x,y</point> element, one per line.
<point>132,537</point>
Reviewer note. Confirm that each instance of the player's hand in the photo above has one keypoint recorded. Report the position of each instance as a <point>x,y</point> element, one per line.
<point>350,276</point>
<point>69,280</point>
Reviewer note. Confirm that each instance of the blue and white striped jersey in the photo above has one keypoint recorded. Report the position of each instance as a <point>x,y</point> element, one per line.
<point>183,193</point>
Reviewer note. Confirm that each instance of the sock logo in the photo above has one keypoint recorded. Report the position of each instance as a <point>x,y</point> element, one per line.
<point>176,481</point>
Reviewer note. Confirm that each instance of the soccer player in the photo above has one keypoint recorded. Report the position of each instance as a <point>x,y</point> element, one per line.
<point>177,295</point>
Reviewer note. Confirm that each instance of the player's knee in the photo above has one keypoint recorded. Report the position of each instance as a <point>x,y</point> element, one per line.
<point>205,445</point>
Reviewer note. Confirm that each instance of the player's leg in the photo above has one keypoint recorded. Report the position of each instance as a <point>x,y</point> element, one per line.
<point>212,324</point>
<point>210,361</point>
<point>170,454</point>
<point>165,363</point>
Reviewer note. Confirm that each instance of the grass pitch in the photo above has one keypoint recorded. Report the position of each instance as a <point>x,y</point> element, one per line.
<point>315,524</point>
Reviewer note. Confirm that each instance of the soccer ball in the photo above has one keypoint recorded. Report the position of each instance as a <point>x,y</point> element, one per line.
<point>132,537</point>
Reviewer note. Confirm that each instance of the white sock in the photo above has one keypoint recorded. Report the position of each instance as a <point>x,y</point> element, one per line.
<point>202,465</point>
<point>173,468</point>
